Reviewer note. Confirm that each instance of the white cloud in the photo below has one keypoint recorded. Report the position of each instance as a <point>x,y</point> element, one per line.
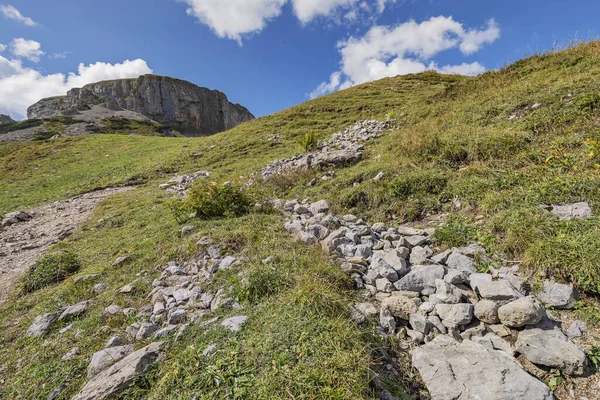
<point>11,12</point>
<point>62,55</point>
<point>21,87</point>
<point>2,47</point>
<point>234,18</point>
<point>29,49</point>
<point>307,10</point>
<point>406,48</point>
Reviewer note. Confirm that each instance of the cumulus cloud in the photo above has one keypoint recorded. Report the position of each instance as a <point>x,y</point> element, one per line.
<point>307,10</point>
<point>21,87</point>
<point>234,18</point>
<point>29,49</point>
<point>406,48</point>
<point>2,47</point>
<point>11,12</point>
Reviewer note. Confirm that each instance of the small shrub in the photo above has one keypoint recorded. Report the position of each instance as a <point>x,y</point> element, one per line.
<point>49,270</point>
<point>262,281</point>
<point>420,182</point>
<point>209,200</point>
<point>589,102</point>
<point>456,232</point>
<point>309,141</point>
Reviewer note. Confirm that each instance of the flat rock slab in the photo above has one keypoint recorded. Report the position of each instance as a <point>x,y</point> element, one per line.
<point>468,371</point>
<point>552,349</point>
<point>121,375</point>
<point>42,324</point>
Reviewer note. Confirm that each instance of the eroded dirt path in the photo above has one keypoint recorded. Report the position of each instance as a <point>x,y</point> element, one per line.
<point>23,243</point>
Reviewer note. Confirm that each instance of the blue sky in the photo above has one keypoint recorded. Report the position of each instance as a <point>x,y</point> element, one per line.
<point>268,54</point>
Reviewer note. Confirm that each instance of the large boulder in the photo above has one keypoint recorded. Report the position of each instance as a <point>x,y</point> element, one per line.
<point>552,349</point>
<point>558,295</point>
<point>467,371</point>
<point>121,375</point>
<point>521,312</point>
<point>193,110</point>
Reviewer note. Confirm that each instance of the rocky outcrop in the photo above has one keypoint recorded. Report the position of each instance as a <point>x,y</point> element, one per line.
<point>5,119</point>
<point>192,110</point>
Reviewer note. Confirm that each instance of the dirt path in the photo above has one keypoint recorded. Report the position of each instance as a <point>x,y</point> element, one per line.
<point>23,243</point>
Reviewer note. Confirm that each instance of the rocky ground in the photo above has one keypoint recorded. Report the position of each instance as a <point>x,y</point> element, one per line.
<point>25,236</point>
<point>474,331</point>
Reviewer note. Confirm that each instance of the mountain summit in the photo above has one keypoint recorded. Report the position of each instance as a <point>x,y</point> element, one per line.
<point>192,110</point>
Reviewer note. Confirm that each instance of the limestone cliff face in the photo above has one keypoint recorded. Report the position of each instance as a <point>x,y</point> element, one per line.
<point>193,110</point>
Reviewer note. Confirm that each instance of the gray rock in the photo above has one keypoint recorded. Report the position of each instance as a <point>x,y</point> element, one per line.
<point>395,260</point>
<point>576,329</point>
<point>74,352</point>
<point>6,119</point>
<point>228,262</point>
<point>454,277</point>
<point>115,341</point>
<point>192,110</point>
<point>421,279</point>
<point>475,329</point>
<point>177,317</point>
<point>467,371</point>
<point>107,357</point>
<point>121,375</point>
<point>478,279</point>
<point>500,290</point>
<point>416,337</point>
<point>317,230</point>
<point>234,324</point>
<point>384,285</point>
<point>441,258</point>
<point>455,314</point>
<point>181,295</point>
<point>552,349</point>
<point>367,309</point>
<point>447,293</point>
<point>364,251</point>
<point>13,218</point>
<point>558,295</point>
<point>521,312</point>
<point>186,230</point>
<point>437,324</point>
<point>318,207</point>
<point>580,210</point>
<point>113,310</point>
<point>42,324</point>
<point>420,255</point>
<point>487,311</point>
<point>517,282</point>
<point>301,209</point>
<point>494,342</point>
<point>146,330</point>
<point>420,323</point>
<point>387,321</point>
<point>399,306</point>
<point>461,263</point>
<point>417,240</point>
<point>293,227</point>
<point>164,332</point>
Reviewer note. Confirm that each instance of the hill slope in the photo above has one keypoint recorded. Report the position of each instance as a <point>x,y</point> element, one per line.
<point>480,154</point>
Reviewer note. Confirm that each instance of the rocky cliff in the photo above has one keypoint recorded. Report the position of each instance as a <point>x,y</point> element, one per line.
<point>4,119</point>
<point>192,110</point>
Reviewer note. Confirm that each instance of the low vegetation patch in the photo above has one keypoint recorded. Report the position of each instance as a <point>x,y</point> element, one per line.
<point>17,126</point>
<point>207,200</point>
<point>49,270</point>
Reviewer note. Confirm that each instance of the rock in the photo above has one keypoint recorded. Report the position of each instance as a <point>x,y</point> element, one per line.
<point>164,332</point>
<point>447,293</point>
<point>454,277</point>
<point>467,371</point>
<point>500,330</point>
<point>228,262</point>
<point>6,119</point>
<point>475,329</point>
<point>455,314</point>
<point>13,218</point>
<point>442,257</point>
<point>177,317</point>
<point>293,227</point>
<point>421,279</point>
<point>317,230</point>
<point>521,312</point>
<point>416,337</point>
<point>99,288</point>
<point>558,295</point>
<point>420,323</point>
<point>576,329</point>
<point>74,352</point>
<point>42,324</point>
<point>517,282</point>
<point>234,324</point>
<point>146,330</point>
<point>181,295</point>
<point>115,341</point>
<point>107,357</point>
<point>74,311</point>
<point>210,350</point>
<point>461,262</point>
<point>387,321</point>
<point>120,261</point>
<point>500,290</point>
<point>367,309</point>
<point>113,309</point>
<point>399,306</point>
<point>420,255</point>
<point>318,207</point>
<point>487,311</point>
<point>384,285</point>
<point>477,279</point>
<point>409,231</point>
<point>552,349</point>
<point>192,110</point>
<point>121,375</point>
<point>580,210</point>
<point>437,324</point>
<point>417,240</point>
<point>494,342</point>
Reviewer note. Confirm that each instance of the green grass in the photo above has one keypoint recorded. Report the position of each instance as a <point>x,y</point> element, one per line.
<point>50,269</point>
<point>455,140</point>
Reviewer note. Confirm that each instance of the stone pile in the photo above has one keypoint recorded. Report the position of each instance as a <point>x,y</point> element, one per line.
<point>178,185</point>
<point>446,306</point>
<point>343,148</point>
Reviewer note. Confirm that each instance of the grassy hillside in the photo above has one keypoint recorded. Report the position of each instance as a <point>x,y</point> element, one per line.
<point>480,153</point>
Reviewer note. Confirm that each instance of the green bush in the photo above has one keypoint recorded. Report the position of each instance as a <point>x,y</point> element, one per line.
<point>309,141</point>
<point>456,232</point>
<point>589,102</point>
<point>49,270</point>
<point>209,200</point>
<point>418,182</point>
<point>16,126</point>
